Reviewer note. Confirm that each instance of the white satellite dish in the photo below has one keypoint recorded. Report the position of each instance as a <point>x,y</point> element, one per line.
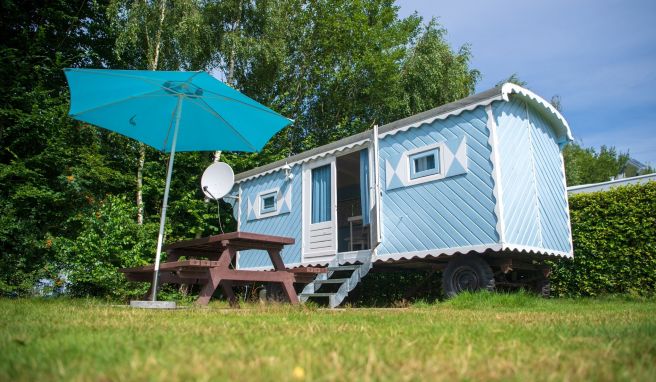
<point>217,180</point>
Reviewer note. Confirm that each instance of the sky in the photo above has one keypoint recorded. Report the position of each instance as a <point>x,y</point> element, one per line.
<point>598,56</point>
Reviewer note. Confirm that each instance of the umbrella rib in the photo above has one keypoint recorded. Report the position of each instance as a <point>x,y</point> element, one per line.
<point>194,75</point>
<point>208,108</point>
<point>146,94</point>
<point>219,96</point>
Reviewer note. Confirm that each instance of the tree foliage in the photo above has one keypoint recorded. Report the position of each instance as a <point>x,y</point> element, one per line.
<point>51,168</point>
<point>109,239</point>
<point>337,68</point>
<point>586,165</point>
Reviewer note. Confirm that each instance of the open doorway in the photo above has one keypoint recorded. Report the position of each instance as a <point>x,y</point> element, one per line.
<point>353,228</point>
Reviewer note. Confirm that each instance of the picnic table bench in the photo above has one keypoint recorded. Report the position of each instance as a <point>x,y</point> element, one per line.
<point>219,268</point>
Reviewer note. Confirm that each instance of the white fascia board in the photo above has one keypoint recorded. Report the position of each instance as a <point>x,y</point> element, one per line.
<point>442,116</point>
<point>509,88</point>
<point>309,159</point>
<point>439,252</point>
<point>536,250</point>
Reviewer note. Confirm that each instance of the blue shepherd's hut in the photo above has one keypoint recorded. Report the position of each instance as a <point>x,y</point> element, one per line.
<point>475,188</point>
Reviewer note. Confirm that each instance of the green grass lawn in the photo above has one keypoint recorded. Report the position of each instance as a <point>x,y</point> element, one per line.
<point>472,337</point>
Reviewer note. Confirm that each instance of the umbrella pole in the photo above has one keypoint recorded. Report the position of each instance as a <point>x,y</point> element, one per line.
<point>162,220</point>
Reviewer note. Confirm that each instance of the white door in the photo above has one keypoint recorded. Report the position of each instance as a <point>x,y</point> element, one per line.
<point>320,205</point>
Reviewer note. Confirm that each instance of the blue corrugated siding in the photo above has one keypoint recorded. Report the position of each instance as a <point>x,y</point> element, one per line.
<point>281,225</point>
<point>533,191</point>
<point>554,221</point>
<point>519,193</point>
<point>453,212</point>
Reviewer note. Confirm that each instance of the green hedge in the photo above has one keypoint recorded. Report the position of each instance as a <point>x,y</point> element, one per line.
<point>614,235</point>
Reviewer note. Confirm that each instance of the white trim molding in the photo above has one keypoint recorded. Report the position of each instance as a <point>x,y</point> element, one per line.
<point>351,147</point>
<point>493,141</point>
<point>536,250</point>
<point>509,88</point>
<point>442,116</point>
<point>497,94</point>
<point>569,221</point>
<point>439,252</point>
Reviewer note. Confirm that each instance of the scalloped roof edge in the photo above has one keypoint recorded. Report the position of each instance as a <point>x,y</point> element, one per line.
<point>499,93</point>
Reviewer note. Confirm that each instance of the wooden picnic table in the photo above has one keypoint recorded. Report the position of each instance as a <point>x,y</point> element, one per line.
<point>219,268</point>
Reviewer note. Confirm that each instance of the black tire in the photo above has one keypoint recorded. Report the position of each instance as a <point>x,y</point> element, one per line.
<point>468,272</point>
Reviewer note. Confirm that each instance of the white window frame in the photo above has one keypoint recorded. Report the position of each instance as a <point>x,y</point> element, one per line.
<point>264,210</point>
<point>439,168</point>
<point>412,161</point>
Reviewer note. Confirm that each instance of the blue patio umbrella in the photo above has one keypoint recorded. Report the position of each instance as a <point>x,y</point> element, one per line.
<point>171,111</point>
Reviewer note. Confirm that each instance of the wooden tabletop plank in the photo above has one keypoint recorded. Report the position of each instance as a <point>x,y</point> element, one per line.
<point>238,239</point>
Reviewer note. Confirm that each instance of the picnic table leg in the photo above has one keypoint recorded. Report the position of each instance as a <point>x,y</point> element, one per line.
<point>276,259</point>
<point>279,266</point>
<point>226,285</point>
<point>290,292</point>
<point>215,276</point>
<point>209,288</point>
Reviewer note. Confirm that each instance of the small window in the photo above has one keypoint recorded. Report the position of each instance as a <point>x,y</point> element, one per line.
<point>425,163</point>
<point>268,203</point>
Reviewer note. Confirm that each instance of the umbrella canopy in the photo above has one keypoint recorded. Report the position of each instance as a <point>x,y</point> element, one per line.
<point>171,111</point>
<point>141,104</point>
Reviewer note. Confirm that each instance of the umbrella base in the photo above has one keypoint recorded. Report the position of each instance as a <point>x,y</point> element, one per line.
<point>153,304</point>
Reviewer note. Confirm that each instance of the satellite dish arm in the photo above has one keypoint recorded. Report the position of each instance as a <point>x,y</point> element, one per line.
<point>206,189</point>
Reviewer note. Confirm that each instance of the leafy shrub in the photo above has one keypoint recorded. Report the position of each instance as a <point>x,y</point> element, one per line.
<point>614,236</point>
<point>110,240</point>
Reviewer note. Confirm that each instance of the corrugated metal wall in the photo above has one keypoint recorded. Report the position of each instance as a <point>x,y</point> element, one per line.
<point>288,224</point>
<point>533,191</point>
<point>453,212</point>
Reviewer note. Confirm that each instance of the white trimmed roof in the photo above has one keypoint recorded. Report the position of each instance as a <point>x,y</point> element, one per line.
<point>499,93</point>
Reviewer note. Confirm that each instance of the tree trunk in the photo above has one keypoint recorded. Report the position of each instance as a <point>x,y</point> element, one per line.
<point>140,166</point>
<point>153,64</point>
<point>230,77</point>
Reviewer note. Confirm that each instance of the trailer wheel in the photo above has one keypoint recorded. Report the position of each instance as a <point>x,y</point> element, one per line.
<point>467,273</point>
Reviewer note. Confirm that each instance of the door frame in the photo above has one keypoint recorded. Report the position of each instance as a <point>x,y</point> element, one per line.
<point>376,196</point>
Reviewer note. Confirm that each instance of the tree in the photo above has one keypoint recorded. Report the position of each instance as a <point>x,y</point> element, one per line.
<point>585,165</point>
<point>159,35</point>
<point>513,79</point>
<point>51,169</point>
<point>337,68</point>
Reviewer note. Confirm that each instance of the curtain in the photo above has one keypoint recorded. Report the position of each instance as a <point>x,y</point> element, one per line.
<point>364,185</point>
<point>321,190</point>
